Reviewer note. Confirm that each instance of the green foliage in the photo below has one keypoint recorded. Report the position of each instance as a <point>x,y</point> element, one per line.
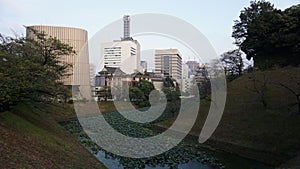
<point>146,87</point>
<point>168,83</point>
<point>140,95</point>
<point>171,94</point>
<point>137,96</point>
<point>171,91</point>
<point>104,93</point>
<point>268,35</point>
<point>204,89</point>
<point>31,69</point>
<point>181,154</point>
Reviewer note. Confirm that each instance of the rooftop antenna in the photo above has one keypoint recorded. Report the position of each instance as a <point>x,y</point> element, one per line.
<point>126,20</point>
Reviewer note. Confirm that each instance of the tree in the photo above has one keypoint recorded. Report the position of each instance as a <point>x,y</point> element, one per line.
<point>258,85</point>
<point>137,96</point>
<point>31,69</point>
<point>171,91</point>
<point>204,88</point>
<point>268,35</point>
<point>287,39</point>
<point>233,63</point>
<point>146,87</point>
<point>168,83</point>
<point>292,85</point>
<point>295,92</point>
<point>105,93</point>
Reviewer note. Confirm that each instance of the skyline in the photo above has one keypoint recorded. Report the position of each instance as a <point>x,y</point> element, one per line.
<point>214,19</point>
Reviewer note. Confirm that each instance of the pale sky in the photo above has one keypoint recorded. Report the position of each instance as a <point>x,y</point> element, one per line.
<point>214,18</point>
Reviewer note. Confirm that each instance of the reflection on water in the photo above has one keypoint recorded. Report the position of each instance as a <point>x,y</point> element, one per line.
<point>108,161</point>
<point>111,163</point>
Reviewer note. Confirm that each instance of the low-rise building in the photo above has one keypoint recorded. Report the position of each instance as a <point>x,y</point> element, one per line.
<point>111,77</point>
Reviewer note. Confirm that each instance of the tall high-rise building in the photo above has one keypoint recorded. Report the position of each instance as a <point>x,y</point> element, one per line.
<point>75,37</point>
<point>169,63</point>
<point>186,81</point>
<point>124,53</point>
<point>144,65</point>
<point>193,66</point>
<point>185,71</point>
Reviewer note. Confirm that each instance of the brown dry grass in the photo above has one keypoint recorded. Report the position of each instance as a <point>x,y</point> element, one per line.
<point>31,138</point>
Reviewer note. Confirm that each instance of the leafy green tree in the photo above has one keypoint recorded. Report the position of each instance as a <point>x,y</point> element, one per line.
<point>287,38</point>
<point>146,87</point>
<point>170,89</point>
<point>137,96</point>
<point>168,83</point>
<point>30,68</point>
<point>268,35</point>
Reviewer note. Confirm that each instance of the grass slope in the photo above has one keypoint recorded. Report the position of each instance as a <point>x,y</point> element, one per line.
<point>31,138</point>
<point>268,134</point>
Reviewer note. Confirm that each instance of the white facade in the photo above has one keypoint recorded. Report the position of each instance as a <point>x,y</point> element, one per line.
<point>187,84</point>
<point>185,71</point>
<point>185,76</point>
<point>169,63</point>
<point>123,54</point>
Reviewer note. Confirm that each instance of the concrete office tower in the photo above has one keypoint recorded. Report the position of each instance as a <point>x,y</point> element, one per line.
<point>193,66</point>
<point>77,38</point>
<point>123,54</point>
<point>126,21</point>
<point>186,81</point>
<point>169,63</point>
<point>185,71</point>
<point>143,66</point>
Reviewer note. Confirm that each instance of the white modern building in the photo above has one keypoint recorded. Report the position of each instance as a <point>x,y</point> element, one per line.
<point>123,54</point>
<point>185,71</point>
<point>169,63</point>
<point>185,85</point>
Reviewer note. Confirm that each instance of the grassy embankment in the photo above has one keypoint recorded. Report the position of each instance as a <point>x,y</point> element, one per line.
<point>32,138</point>
<point>247,128</point>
